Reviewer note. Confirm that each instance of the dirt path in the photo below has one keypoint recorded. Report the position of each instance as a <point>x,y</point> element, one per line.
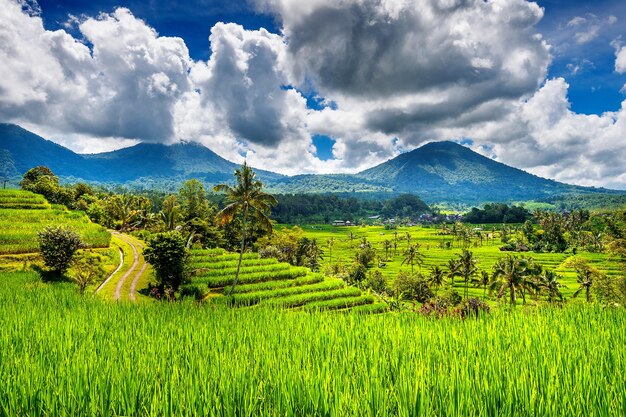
<point>133,285</point>
<point>135,269</point>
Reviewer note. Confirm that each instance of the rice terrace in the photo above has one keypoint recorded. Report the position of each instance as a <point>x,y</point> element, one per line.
<point>271,208</point>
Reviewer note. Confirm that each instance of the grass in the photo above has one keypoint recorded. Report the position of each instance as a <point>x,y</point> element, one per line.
<point>63,355</point>
<point>343,252</point>
<point>23,214</point>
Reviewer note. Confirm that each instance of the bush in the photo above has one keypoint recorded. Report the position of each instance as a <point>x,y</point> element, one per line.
<point>87,269</point>
<point>356,274</point>
<point>412,287</point>
<point>471,307</point>
<point>166,253</point>
<point>58,246</point>
<point>435,307</point>
<point>376,282</point>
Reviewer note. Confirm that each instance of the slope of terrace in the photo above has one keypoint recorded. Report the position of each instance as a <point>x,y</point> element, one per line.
<point>269,282</point>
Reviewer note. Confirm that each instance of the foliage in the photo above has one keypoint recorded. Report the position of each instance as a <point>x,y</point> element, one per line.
<point>412,287</point>
<point>86,269</point>
<point>497,213</point>
<point>166,253</point>
<point>247,200</point>
<point>376,282</point>
<point>58,245</point>
<point>471,307</point>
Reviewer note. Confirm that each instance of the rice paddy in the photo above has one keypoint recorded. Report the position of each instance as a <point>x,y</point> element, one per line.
<point>23,214</point>
<point>346,242</point>
<point>268,282</point>
<point>63,355</point>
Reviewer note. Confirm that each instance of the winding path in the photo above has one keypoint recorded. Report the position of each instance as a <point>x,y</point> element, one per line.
<point>135,271</point>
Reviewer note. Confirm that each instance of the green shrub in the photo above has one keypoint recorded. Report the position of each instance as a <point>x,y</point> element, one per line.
<point>58,246</point>
<point>166,253</point>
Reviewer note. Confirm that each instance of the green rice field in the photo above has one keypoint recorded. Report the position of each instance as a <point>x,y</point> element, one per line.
<point>430,240</point>
<point>268,282</point>
<point>63,355</point>
<point>23,214</point>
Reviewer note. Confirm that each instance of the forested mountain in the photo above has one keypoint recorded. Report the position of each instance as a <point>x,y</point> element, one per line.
<point>437,172</point>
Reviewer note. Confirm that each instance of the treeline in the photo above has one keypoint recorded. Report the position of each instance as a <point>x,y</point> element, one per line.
<point>325,208</point>
<point>497,213</point>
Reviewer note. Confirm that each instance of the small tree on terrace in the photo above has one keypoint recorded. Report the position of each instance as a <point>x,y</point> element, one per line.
<point>86,269</point>
<point>58,246</point>
<point>248,200</point>
<point>166,253</point>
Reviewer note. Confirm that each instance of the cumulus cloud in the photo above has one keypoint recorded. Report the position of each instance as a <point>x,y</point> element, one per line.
<point>124,86</point>
<point>398,74</point>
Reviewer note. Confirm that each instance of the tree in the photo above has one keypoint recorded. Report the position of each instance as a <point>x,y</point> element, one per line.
<point>436,277</point>
<point>585,274</point>
<point>483,281</point>
<point>386,246</point>
<point>166,252</point>
<point>453,271</point>
<point>86,269</point>
<point>584,277</point>
<point>549,281</point>
<point>58,246</point>
<point>193,200</point>
<point>467,268</point>
<point>247,200</point>
<point>412,287</point>
<point>330,242</point>
<point>413,256</point>
<point>512,274</point>
<point>170,212</point>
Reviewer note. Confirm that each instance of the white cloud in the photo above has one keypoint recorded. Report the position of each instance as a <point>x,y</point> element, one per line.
<point>400,73</point>
<point>125,86</point>
<point>620,60</point>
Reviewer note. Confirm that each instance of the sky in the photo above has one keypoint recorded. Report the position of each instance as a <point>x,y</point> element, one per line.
<point>326,86</point>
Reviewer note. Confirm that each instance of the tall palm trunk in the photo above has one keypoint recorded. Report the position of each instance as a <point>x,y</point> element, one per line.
<point>243,242</point>
<point>513,303</point>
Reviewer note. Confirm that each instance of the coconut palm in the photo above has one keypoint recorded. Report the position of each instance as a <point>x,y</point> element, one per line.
<point>549,281</point>
<point>483,281</point>
<point>330,242</point>
<point>413,256</point>
<point>453,270</point>
<point>386,246</point>
<point>436,277</point>
<point>467,268</point>
<point>512,274</point>
<point>247,200</point>
<point>170,212</point>
<point>585,279</point>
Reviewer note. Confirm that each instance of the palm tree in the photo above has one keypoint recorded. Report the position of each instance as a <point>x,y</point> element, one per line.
<point>453,270</point>
<point>512,274</point>
<point>467,267</point>
<point>549,280</point>
<point>483,280</point>
<point>413,256</point>
<point>585,279</point>
<point>170,212</point>
<point>408,239</point>
<point>331,243</point>
<point>386,246</point>
<point>248,200</point>
<point>436,277</point>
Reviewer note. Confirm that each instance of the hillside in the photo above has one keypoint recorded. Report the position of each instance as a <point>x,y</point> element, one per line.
<point>437,172</point>
<point>23,150</point>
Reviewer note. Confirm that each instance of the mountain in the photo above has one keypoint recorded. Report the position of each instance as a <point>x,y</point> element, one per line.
<point>443,170</point>
<point>143,162</point>
<point>437,172</point>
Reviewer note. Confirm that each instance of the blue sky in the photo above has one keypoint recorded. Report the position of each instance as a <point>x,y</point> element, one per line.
<point>326,86</point>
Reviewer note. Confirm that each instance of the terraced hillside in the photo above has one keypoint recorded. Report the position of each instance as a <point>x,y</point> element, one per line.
<point>23,214</point>
<point>268,282</point>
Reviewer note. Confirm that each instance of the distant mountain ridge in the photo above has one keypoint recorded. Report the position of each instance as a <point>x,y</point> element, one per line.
<point>437,171</point>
